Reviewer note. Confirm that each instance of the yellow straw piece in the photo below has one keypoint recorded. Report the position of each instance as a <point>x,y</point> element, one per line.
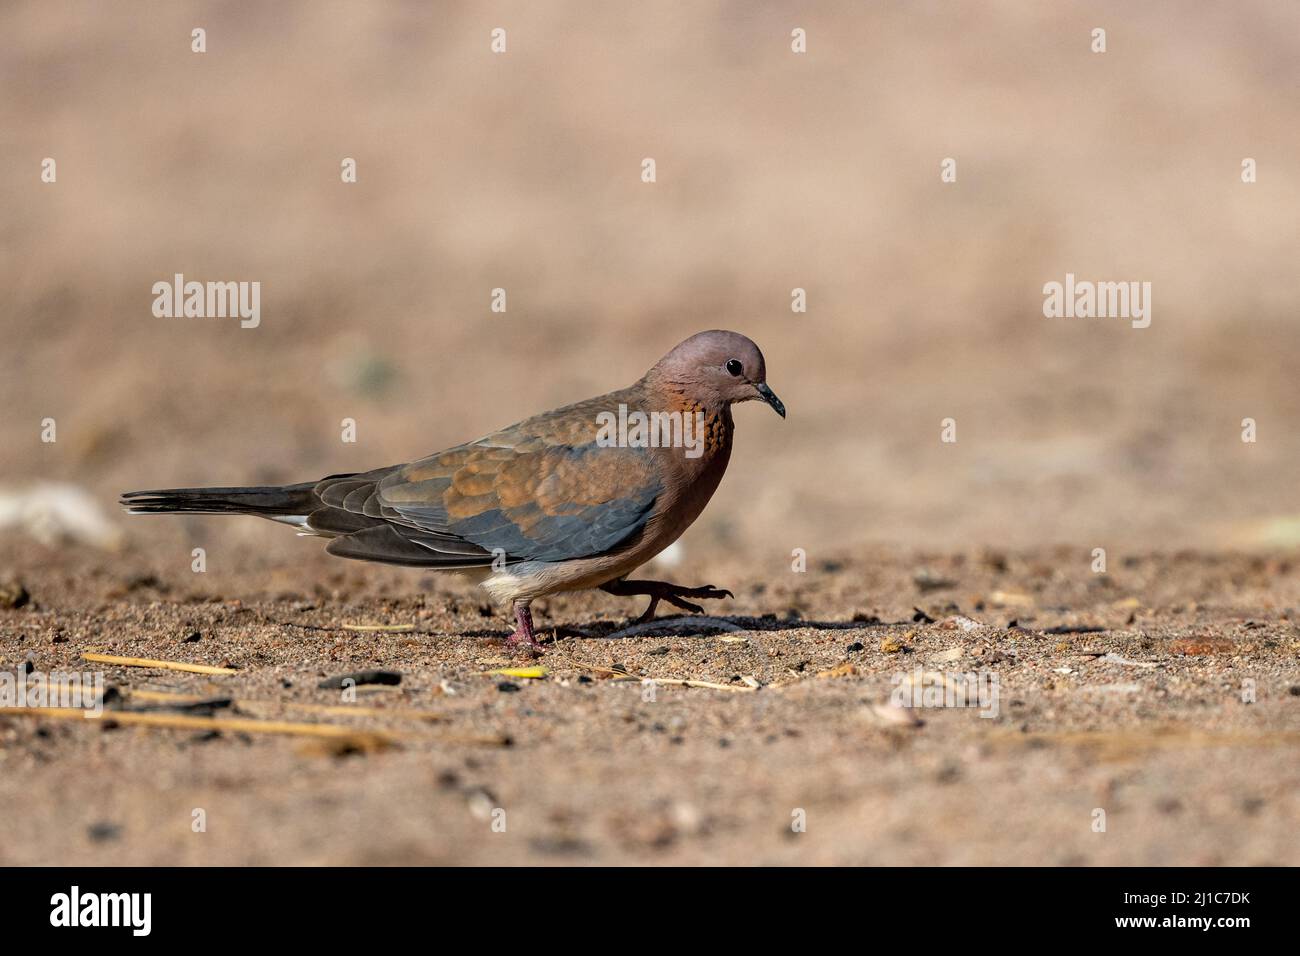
<point>165,665</point>
<point>623,675</point>
<point>523,673</point>
<point>736,688</point>
<point>164,696</point>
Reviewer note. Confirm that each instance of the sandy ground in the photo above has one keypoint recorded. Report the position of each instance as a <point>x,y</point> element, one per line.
<point>1143,719</point>
<point>776,172</point>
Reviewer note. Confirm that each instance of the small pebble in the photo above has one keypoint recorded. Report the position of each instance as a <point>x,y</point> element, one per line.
<point>103,831</point>
<point>358,678</point>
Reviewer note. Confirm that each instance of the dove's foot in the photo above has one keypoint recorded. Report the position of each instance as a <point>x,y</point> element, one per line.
<point>663,591</point>
<point>523,637</point>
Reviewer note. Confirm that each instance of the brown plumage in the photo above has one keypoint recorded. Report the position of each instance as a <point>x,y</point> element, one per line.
<point>570,499</point>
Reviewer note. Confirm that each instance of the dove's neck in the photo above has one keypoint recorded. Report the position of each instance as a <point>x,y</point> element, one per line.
<point>707,428</point>
<point>689,471</point>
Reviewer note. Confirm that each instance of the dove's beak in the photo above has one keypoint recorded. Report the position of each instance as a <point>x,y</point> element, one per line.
<point>769,396</point>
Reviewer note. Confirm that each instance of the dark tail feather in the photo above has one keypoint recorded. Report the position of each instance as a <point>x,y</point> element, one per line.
<point>269,501</point>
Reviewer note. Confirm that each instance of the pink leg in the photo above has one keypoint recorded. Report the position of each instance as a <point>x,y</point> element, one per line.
<point>523,635</point>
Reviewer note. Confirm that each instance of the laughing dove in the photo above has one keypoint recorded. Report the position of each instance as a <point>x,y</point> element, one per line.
<point>567,500</point>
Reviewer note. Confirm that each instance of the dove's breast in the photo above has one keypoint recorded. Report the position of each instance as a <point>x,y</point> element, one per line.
<point>687,484</point>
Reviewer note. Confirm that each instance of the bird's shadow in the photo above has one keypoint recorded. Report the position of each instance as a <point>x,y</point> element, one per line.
<point>686,625</point>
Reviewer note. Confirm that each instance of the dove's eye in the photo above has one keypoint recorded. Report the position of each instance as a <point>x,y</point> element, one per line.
<point>734,367</point>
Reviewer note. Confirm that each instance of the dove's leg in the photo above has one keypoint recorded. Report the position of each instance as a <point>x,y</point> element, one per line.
<point>523,635</point>
<point>663,591</point>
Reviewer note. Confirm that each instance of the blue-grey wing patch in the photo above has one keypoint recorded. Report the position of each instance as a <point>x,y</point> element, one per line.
<point>548,503</point>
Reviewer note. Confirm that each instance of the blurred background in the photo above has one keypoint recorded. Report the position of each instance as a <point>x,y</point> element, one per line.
<point>774,171</point>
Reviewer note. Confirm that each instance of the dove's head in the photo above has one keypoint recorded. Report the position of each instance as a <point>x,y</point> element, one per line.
<point>717,368</point>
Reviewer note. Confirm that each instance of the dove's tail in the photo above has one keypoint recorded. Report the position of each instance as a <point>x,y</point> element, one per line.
<point>270,501</point>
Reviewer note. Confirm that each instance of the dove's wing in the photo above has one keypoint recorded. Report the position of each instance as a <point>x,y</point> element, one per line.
<point>542,490</point>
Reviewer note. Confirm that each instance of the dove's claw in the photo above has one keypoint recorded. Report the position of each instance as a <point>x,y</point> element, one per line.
<point>685,605</point>
<point>674,594</point>
<point>708,591</point>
